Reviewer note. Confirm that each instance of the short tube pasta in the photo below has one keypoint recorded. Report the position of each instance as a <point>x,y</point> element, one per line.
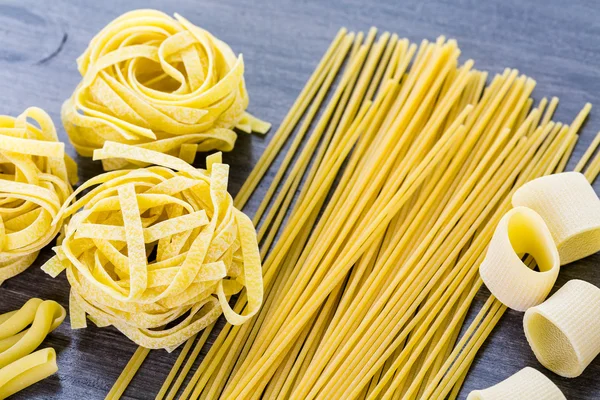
<point>521,231</point>
<point>563,330</point>
<point>526,384</point>
<point>571,209</point>
<point>160,83</point>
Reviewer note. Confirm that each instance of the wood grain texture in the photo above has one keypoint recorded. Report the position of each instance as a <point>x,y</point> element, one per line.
<point>556,43</point>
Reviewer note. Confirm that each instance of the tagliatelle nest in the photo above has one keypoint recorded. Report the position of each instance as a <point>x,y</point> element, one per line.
<point>160,83</point>
<point>157,251</point>
<point>35,181</point>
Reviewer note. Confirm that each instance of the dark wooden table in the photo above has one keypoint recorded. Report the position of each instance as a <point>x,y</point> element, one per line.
<point>556,43</point>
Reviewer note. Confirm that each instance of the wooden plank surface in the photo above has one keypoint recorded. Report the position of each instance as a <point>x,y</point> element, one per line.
<point>556,43</point>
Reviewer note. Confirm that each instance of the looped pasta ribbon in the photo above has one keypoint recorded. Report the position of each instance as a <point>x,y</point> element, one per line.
<point>160,83</point>
<point>35,181</point>
<point>526,384</point>
<point>521,231</point>
<point>157,251</point>
<point>563,330</point>
<point>19,367</point>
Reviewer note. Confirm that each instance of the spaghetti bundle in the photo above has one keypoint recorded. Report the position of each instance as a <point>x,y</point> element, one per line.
<point>19,367</point>
<point>160,83</point>
<point>35,182</point>
<point>156,252</point>
<point>375,224</point>
<point>482,325</point>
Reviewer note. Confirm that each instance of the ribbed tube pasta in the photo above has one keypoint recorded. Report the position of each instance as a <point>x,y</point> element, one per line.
<point>571,209</point>
<point>564,331</point>
<point>527,384</point>
<point>521,231</point>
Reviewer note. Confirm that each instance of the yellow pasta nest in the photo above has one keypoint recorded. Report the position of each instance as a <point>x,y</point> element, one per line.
<point>160,83</point>
<point>34,184</point>
<point>157,251</point>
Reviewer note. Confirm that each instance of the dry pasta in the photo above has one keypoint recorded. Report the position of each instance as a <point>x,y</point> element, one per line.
<point>373,230</point>
<point>563,330</point>
<point>26,371</point>
<point>21,332</point>
<point>148,247</point>
<point>274,146</point>
<point>35,181</point>
<point>571,209</point>
<point>159,83</point>
<point>128,373</point>
<point>485,320</point>
<point>526,384</point>
<point>520,231</point>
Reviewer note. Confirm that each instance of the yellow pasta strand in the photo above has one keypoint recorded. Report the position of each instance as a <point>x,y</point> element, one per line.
<point>128,373</point>
<point>289,122</point>
<point>21,332</point>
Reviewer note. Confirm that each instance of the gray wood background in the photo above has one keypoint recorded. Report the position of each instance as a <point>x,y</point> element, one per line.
<point>555,42</point>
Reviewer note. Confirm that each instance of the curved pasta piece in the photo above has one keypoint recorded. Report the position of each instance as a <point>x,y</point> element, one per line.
<point>563,330</point>
<point>521,231</point>
<point>158,82</point>
<point>21,332</point>
<point>526,384</point>
<point>26,371</point>
<point>43,316</point>
<point>35,181</point>
<point>570,208</point>
<point>157,251</point>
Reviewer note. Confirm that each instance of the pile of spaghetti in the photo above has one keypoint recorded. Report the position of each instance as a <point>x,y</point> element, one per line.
<point>157,251</point>
<point>403,177</point>
<point>160,83</point>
